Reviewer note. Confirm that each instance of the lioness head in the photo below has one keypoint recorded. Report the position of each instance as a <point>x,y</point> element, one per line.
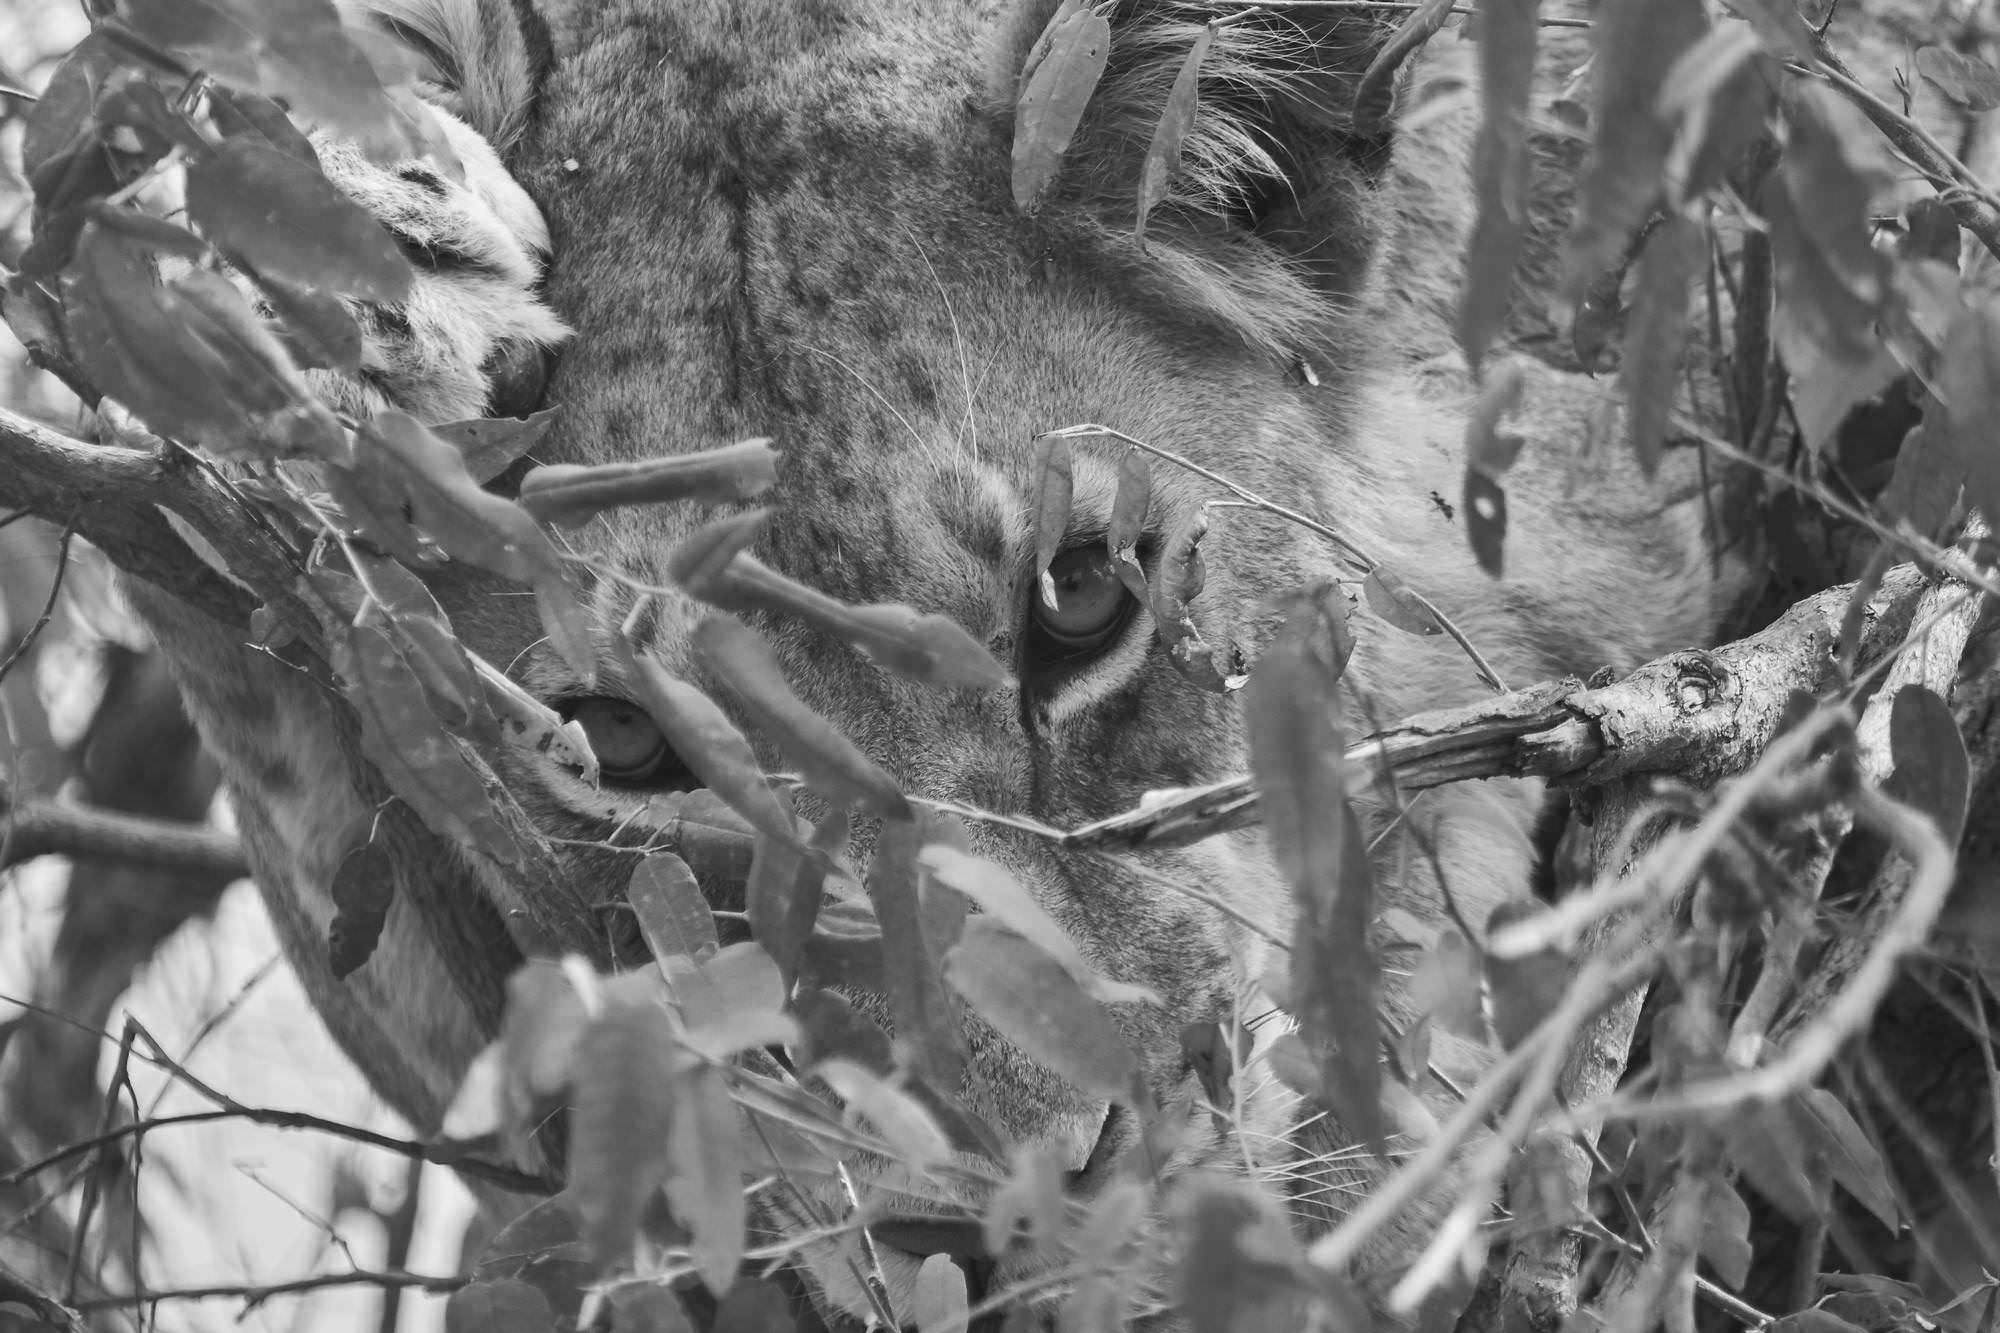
<point>796,219</point>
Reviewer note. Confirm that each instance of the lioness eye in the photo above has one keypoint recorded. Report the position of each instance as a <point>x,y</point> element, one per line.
<point>628,744</point>
<point>1091,603</point>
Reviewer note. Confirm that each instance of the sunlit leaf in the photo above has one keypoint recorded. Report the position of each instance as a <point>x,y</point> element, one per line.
<point>1036,1004</point>
<point>896,1116</point>
<point>490,445</point>
<point>938,1304</point>
<point>833,765</point>
<point>705,1175</point>
<point>569,495</point>
<point>673,915</point>
<point>1396,602</point>
<point>542,1247</point>
<point>620,1147</point>
<point>1056,89</point>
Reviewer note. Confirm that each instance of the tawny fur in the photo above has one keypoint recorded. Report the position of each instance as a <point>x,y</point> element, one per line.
<point>791,218</point>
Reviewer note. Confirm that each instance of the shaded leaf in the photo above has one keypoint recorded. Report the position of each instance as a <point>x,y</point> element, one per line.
<point>1725,1232</point>
<point>471,524</point>
<point>1656,335</point>
<point>1500,171</point>
<point>287,220</point>
<point>1446,987</point>
<point>539,1036</point>
<point>709,743</point>
<point>1129,506</point>
<point>833,765</point>
<point>1932,770</point>
<point>834,1030</point>
<point>1037,1005</point>
<point>1527,988</point>
<point>1054,94</point>
<point>502,1305</point>
<point>1634,43</point>
<point>1764,1144</point>
<point>363,888</point>
<point>1241,1273</point>
<point>543,1248</point>
<point>1966,80</point>
<point>1847,1153</point>
<point>673,915</point>
<point>1163,153</point>
<point>755,1306</point>
<point>569,495</point>
<point>732,1002</point>
<point>1030,1202</point>
<point>316,325</point>
<point>647,1307</point>
<point>782,900</point>
<point>239,114</point>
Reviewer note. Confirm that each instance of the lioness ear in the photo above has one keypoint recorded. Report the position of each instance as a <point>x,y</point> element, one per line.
<point>486,58</point>
<point>1271,171</point>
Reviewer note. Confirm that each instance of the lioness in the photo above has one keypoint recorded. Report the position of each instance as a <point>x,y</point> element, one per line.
<point>792,218</point>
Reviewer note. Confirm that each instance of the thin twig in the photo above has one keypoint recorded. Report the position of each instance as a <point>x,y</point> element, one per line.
<point>254,1296</point>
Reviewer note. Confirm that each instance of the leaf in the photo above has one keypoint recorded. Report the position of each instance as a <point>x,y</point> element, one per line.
<point>363,888</point>
<point>709,744</point>
<point>1501,171</point>
<point>1932,770</point>
<point>1445,986</point>
<point>833,765</point>
<point>782,900</point>
<point>316,326</point>
<point>540,1037</point>
<point>1968,382</point>
<point>1398,603</point>
<point>1634,44</point>
<point>898,1118</point>
<point>1240,1274</point>
<point>647,1307</point>
<point>543,1248</point>
<point>286,219</point>
<point>1031,1199</point>
<point>238,114</point>
<point>1966,80</point>
<point>290,48</point>
<point>705,1184</point>
<point>1129,506</point>
<point>1490,450</point>
<point>403,608</point>
<point>63,114</point>
<point>927,648</point>
<point>673,915</point>
<point>1725,1233</point>
<point>1291,714</point>
<point>1828,274</point>
<point>1656,336</point>
<point>733,1002</point>
<point>620,1147</point>
<point>1055,92</point>
<point>938,1304</point>
<point>504,1305</point>
<point>1526,988</point>
<point>491,445</point>
<point>1163,154</point>
<point>1764,1143</point>
<point>994,890</point>
<point>834,1030</point>
<point>1848,1154</point>
<point>1718,94</point>
<point>1054,482</point>
<point>921,1010</point>
<point>1811,1320</point>
<point>1038,1006</point>
<point>569,495</point>
<point>1179,581</point>
<point>401,735</point>
<point>754,1306</point>
<point>450,507</point>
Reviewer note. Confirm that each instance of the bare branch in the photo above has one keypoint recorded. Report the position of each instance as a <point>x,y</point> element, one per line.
<point>59,828</point>
<point>254,1296</point>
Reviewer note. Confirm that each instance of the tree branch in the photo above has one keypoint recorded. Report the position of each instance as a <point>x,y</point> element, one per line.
<point>59,828</point>
<point>1700,715</point>
<point>253,1296</point>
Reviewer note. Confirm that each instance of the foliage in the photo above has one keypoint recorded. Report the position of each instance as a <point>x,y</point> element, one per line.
<point>1723,150</point>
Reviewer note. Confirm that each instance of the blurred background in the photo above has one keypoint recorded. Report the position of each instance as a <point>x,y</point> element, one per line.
<point>89,719</point>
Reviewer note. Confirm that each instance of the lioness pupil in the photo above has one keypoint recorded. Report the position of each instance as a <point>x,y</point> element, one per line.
<point>627,743</point>
<point>1091,603</point>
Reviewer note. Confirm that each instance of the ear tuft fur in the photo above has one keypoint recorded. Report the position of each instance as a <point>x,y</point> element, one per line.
<point>489,57</point>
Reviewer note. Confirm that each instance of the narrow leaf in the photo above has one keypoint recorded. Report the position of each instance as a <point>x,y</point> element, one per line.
<point>1500,171</point>
<point>1854,1161</point>
<point>1396,602</point>
<point>1054,481</point>
<point>705,1180</point>
<point>1052,102</point>
<point>490,445</point>
<point>568,495</point>
<point>711,745</point>
<point>1163,154</point>
<point>922,1011</point>
<point>620,1145</point>
<point>1656,337</point>
<point>1129,506</point>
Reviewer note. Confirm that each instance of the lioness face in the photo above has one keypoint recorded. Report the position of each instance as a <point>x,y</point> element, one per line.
<point>794,219</point>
